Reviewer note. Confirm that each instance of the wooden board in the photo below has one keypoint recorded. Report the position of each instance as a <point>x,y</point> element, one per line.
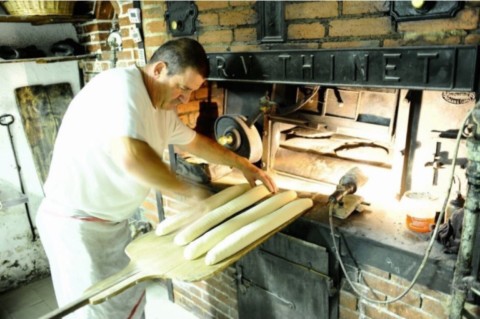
<point>168,263</point>
<point>42,108</point>
<point>154,257</point>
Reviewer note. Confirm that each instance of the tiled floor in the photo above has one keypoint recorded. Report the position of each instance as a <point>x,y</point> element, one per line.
<point>37,299</point>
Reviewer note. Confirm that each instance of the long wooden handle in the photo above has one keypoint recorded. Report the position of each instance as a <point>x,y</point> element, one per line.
<point>114,290</point>
<point>68,308</point>
<point>99,289</point>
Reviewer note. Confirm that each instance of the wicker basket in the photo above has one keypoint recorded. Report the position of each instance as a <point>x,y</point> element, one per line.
<point>38,7</point>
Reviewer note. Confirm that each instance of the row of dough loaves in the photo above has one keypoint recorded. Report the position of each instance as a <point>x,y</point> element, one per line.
<point>222,227</point>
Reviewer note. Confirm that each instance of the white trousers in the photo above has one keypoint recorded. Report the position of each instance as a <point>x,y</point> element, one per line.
<point>82,252</point>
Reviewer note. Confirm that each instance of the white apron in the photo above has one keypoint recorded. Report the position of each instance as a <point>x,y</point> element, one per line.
<point>82,251</point>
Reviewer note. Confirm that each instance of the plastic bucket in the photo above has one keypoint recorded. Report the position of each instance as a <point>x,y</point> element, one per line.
<point>419,208</point>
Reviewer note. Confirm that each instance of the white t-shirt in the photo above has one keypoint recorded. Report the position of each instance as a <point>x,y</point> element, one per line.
<point>82,174</point>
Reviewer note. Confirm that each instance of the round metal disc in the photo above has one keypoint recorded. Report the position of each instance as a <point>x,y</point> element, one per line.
<point>246,140</point>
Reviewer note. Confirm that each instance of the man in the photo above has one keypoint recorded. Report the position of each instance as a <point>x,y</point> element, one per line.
<point>107,157</point>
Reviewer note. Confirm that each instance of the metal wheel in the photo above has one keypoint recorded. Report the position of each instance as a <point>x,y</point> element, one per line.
<point>232,132</point>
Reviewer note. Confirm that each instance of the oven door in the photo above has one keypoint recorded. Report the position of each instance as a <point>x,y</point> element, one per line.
<point>285,278</point>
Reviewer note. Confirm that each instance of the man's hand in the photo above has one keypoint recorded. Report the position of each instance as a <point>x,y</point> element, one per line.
<point>253,173</point>
<point>213,152</point>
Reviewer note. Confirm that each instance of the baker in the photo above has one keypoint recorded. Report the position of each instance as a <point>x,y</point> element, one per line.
<point>106,159</point>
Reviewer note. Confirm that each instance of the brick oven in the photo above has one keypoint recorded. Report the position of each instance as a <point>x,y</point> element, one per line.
<point>397,87</point>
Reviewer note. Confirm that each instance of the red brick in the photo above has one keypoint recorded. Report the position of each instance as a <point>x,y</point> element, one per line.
<point>391,289</point>
<point>360,27</point>
<point>245,34</point>
<point>93,48</point>
<point>126,6</point>
<point>155,41</point>
<point>128,44</point>
<point>407,311</point>
<point>311,10</point>
<point>351,44</point>
<point>124,21</point>
<point>149,206</point>
<point>125,55</point>
<point>345,313</point>
<point>217,304</point>
<point>375,311</point>
<point>215,47</point>
<point>208,5</point>
<point>238,17</point>
<point>216,36</point>
<point>155,26</point>
<point>360,7</point>
<point>88,66</point>
<point>244,47</point>
<point>367,292</point>
<point>236,3</point>
<point>430,38</point>
<point>208,19</point>
<point>472,39</point>
<point>464,20</point>
<point>97,36</point>
<point>106,55</point>
<point>373,270</point>
<point>154,10</point>
<point>306,31</point>
<point>435,307</point>
<point>421,289</point>
<point>348,300</point>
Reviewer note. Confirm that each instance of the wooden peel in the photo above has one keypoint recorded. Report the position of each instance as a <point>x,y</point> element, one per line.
<point>154,257</point>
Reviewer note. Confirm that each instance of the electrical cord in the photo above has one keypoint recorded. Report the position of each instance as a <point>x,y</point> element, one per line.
<point>432,240</point>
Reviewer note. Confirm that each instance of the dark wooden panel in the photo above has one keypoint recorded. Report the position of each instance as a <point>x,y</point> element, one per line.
<point>41,109</point>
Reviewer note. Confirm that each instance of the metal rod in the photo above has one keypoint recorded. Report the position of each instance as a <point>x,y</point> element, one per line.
<point>7,120</point>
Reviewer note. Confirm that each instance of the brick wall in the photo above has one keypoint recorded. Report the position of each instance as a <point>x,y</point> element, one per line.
<point>420,302</point>
<point>231,26</point>
<point>215,297</point>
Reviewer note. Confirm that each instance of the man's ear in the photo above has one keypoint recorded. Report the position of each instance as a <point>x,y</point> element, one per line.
<point>159,67</point>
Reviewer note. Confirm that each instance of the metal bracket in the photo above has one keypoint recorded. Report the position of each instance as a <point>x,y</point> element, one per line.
<point>423,10</point>
<point>181,17</point>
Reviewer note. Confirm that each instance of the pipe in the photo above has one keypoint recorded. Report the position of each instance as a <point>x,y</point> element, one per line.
<point>463,266</point>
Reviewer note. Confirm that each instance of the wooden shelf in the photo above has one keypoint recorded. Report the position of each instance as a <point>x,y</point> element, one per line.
<point>47,19</point>
<point>53,58</point>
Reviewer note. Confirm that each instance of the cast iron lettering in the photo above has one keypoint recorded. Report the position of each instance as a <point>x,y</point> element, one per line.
<point>361,65</point>
<point>450,68</point>
<point>390,66</point>
<point>284,60</point>
<point>427,57</point>
<point>308,66</point>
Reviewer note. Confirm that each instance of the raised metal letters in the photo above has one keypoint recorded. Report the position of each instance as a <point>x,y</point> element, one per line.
<point>437,68</point>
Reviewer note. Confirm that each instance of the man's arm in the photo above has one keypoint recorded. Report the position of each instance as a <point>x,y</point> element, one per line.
<point>213,152</point>
<point>140,161</point>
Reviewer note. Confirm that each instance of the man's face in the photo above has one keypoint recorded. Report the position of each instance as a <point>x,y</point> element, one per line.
<point>172,90</point>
